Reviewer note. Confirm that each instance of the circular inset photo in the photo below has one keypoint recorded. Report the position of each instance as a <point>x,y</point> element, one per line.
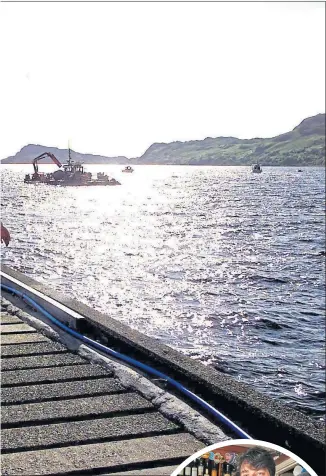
<point>244,458</point>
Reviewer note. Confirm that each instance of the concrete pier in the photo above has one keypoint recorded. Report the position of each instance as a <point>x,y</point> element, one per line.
<point>47,368</point>
<point>64,415</point>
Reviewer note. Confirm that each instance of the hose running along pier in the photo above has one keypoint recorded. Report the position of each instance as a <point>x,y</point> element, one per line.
<point>198,405</point>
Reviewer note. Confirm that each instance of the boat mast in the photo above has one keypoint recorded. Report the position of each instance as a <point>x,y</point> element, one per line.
<point>69,155</point>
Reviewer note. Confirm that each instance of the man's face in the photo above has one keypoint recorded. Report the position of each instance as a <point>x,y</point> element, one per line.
<point>248,470</point>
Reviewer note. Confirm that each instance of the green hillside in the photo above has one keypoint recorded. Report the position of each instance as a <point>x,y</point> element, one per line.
<point>305,145</point>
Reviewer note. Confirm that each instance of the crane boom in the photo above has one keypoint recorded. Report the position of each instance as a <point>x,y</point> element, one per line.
<point>42,156</point>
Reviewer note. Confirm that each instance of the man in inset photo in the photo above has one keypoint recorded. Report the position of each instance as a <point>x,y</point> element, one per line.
<point>256,462</point>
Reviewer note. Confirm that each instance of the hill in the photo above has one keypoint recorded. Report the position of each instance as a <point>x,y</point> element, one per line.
<point>29,152</point>
<point>304,145</point>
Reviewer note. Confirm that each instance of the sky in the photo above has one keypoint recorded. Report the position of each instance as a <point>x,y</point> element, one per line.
<point>113,78</point>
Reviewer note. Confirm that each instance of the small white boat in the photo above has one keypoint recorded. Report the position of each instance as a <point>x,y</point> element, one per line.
<point>128,169</point>
<point>256,169</point>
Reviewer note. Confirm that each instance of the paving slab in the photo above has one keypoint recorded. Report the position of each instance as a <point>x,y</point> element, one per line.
<point>160,471</point>
<point>40,361</point>
<point>77,432</point>
<point>113,454</point>
<point>60,390</point>
<point>94,406</point>
<point>7,319</point>
<point>15,328</point>
<point>13,339</point>
<point>52,374</point>
<point>30,349</point>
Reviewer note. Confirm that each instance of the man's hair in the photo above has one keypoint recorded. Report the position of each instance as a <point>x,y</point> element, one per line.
<point>259,458</point>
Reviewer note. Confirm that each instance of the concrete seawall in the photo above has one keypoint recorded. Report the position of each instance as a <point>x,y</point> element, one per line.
<point>262,417</point>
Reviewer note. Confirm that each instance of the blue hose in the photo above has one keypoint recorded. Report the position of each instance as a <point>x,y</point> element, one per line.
<point>135,363</point>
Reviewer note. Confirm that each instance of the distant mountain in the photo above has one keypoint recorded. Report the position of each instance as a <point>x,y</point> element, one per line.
<point>305,145</point>
<point>29,152</point>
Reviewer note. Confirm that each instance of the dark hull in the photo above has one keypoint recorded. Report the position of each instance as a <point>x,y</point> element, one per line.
<point>64,183</point>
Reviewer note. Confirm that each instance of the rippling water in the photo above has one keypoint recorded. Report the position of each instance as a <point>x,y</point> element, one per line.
<point>217,262</point>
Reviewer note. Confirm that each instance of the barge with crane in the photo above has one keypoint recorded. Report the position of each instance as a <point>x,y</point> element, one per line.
<point>70,174</point>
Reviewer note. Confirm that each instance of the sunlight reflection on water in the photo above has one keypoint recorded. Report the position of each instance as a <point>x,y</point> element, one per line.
<point>218,263</point>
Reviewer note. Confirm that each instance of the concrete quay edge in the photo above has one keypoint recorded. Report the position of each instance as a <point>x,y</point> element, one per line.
<point>260,415</point>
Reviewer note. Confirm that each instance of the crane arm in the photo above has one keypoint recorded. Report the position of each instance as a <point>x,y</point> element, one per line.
<point>42,156</point>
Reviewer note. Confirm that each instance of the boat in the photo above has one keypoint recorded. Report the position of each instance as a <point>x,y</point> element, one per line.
<point>70,174</point>
<point>256,169</point>
<point>128,170</point>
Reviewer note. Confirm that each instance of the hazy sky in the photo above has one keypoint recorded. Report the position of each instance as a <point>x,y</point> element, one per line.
<point>116,77</point>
